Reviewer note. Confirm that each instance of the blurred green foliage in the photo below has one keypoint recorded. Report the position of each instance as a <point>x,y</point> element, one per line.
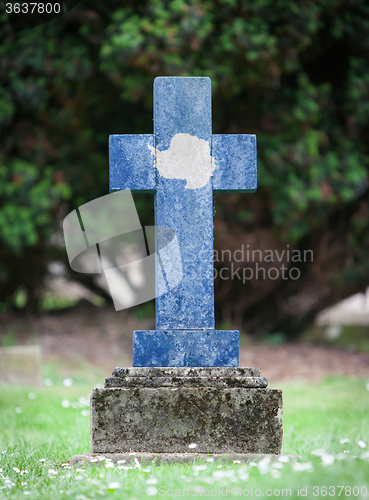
<point>28,195</point>
<point>294,73</point>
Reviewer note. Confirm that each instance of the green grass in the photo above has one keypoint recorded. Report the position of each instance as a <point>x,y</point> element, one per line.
<point>315,417</point>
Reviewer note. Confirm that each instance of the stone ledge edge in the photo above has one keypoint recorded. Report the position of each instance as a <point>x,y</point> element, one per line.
<point>176,381</point>
<point>187,371</point>
<point>171,458</point>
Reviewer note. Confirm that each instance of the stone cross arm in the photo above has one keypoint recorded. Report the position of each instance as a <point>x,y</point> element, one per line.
<point>132,165</point>
<point>233,156</point>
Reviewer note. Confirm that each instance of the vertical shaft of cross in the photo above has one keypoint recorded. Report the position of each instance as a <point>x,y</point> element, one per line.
<point>183,106</point>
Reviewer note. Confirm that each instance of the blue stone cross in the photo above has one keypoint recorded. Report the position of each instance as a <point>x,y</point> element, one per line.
<point>183,164</point>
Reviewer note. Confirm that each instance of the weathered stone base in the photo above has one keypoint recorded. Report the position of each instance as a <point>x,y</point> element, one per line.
<point>227,415</point>
<point>137,459</point>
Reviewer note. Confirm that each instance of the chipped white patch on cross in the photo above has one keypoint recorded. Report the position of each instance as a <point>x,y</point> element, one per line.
<point>188,158</point>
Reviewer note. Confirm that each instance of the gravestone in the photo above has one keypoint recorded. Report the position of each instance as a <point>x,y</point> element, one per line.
<point>185,386</point>
<point>20,365</point>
